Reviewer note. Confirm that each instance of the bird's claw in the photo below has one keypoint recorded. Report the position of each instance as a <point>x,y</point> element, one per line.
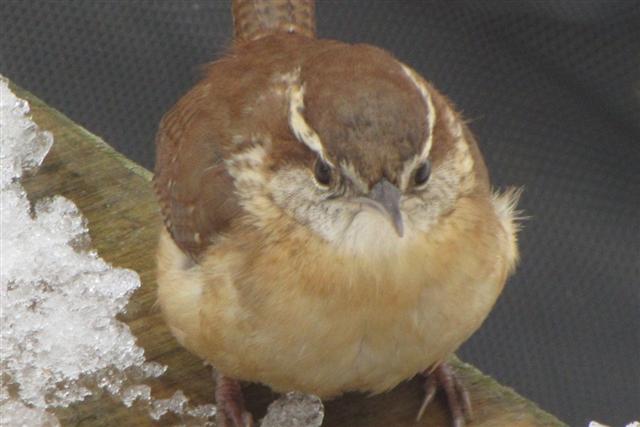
<point>230,402</point>
<point>457,396</point>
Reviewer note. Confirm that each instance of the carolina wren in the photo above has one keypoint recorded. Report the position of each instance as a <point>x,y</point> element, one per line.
<point>330,225</point>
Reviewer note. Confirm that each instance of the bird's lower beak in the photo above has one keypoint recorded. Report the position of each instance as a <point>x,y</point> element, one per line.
<point>385,197</point>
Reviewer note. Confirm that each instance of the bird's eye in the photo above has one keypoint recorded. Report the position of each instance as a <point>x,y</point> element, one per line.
<point>322,172</point>
<point>421,175</point>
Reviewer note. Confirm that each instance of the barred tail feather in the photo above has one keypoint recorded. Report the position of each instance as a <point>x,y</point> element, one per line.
<point>254,19</point>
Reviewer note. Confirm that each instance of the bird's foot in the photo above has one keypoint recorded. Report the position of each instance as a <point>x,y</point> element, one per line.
<point>230,402</point>
<point>457,396</point>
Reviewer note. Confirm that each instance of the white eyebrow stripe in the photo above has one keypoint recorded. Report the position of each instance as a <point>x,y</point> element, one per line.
<point>301,129</point>
<point>431,118</point>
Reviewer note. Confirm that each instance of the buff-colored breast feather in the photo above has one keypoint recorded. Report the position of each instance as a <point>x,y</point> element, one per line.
<point>352,326</point>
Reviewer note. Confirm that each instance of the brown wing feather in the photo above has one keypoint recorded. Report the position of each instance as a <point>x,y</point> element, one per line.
<point>195,192</point>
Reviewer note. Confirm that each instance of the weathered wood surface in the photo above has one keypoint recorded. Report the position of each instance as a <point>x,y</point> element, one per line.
<point>116,196</point>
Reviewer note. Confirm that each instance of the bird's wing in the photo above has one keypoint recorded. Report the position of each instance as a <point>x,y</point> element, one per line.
<point>195,192</point>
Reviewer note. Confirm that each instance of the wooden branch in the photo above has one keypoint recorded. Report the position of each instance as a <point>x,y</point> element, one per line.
<point>115,195</point>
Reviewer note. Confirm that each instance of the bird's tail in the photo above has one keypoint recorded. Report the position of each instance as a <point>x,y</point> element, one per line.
<point>254,19</point>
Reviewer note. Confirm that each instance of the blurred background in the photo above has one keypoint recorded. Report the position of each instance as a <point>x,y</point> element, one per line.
<point>552,90</point>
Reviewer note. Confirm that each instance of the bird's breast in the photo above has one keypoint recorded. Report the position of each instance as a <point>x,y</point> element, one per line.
<point>297,315</point>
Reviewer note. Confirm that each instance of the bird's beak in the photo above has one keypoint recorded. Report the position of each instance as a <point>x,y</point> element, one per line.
<point>385,198</point>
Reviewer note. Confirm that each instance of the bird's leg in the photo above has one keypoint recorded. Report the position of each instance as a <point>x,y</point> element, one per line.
<point>230,402</point>
<point>455,392</point>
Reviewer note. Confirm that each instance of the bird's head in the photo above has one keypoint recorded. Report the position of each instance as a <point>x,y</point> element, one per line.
<point>370,154</point>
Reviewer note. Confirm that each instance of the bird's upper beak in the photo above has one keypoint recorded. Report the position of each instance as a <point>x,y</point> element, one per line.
<point>385,197</point>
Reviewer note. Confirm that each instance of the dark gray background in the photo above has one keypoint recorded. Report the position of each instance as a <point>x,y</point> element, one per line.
<point>553,92</point>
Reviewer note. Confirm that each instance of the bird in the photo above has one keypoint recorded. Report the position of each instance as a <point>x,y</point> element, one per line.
<point>329,222</point>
